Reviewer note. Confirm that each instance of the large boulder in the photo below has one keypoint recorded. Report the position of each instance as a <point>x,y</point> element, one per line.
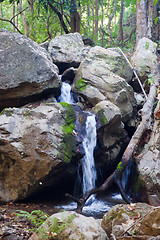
<point>99,77</point>
<point>110,135</point>
<point>144,58</point>
<point>68,226</point>
<point>67,50</point>
<point>134,219</point>
<point>36,148</point>
<point>149,165</point>
<point>26,69</point>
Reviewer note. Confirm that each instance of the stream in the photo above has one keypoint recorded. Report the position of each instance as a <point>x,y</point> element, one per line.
<point>95,206</point>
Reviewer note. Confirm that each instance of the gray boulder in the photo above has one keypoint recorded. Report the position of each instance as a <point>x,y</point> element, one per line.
<point>70,225</point>
<point>110,134</point>
<point>26,69</point>
<point>144,58</point>
<point>67,50</point>
<point>36,146</point>
<point>99,77</point>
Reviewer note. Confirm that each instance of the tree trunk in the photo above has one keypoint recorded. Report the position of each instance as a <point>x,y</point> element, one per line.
<point>25,22</point>
<point>88,16</point>
<point>13,4</point>
<point>157,25</point>
<point>150,19</point>
<point>59,16</point>
<point>111,16</point>
<point>141,19</point>
<point>120,22</point>
<point>96,21</point>
<point>74,17</point>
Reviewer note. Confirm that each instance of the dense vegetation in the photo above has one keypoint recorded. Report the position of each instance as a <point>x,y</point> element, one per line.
<point>107,22</point>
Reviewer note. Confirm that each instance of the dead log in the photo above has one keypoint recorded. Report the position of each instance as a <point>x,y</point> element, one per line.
<point>146,114</point>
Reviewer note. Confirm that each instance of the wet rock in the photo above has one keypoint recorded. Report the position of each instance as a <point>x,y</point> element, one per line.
<point>68,75</point>
<point>110,134</point>
<point>67,50</point>
<point>76,226</point>
<point>134,219</point>
<point>99,77</point>
<point>26,69</point>
<point>144,58</point>
<point>36,146</point>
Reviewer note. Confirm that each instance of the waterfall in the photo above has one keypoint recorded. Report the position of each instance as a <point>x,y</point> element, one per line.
<point>88,164</point>
<point>66,95</point>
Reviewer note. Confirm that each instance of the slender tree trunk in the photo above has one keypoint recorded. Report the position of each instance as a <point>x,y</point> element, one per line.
<point>111,16</point>
<point>120,22</point>
<point>25,22</point>
<point>60,16</point>
<point>88,15</point>
<point>150,19</point>
<point>93,22</point>
<point>157,25</point>
<point>141,19</point>
<point>96,20</point>
<point>74,17</point>
<point>102,13</point>
<point>13,4</point>
<point>102,20</point>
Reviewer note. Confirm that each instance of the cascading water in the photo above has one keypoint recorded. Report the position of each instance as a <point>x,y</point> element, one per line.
<point>88,164</point>
<point>93,206</point>
<point>66,95</point>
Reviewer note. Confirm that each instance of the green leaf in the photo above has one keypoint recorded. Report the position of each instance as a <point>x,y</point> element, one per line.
<point>156,20</point>
<point>146,45</point>
<point>155,2</point>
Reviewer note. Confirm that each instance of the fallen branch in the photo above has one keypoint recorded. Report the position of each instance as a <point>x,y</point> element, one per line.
<point>143,126</point>
<point>134,73</point>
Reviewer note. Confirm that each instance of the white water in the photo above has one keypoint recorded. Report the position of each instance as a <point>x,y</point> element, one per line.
<point>66,95</point>
<point>88,164</point>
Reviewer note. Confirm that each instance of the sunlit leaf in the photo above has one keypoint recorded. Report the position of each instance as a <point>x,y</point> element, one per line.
<point>155,2</point>
<point>156,20</point>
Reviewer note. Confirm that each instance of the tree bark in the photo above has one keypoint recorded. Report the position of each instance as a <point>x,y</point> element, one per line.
<point>141,19</point>
<point>96,21</point>
<point>74,17</point>
<point>120,22</point>
<point>13,4</point>
<point>25,22</point>
<point>150,19</point>
<point>110,17</point>
<point>59,16</point>
<point>157,25</point>
<point>143,126</point>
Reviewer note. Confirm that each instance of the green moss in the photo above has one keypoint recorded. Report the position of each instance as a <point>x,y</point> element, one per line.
<point>102,117</point>
<point>66,149</point>
<point>138,184</point>
<point>81,84</point>
<point>119,167</point>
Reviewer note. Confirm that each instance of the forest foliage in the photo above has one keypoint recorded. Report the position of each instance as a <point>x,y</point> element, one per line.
<point>107,22</point>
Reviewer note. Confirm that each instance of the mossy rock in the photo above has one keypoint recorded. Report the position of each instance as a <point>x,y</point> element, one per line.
<point>80,85</point>
<point>67,148</point>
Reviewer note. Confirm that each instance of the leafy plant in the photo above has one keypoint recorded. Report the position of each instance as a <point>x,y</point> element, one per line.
<point>149,80</point>
<point>37,217</point>
<point>119,167</point>
<point>55,225</point>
